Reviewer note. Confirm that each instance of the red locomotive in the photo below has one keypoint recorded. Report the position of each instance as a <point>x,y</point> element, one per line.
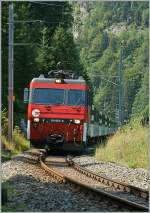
<point>58,111</point>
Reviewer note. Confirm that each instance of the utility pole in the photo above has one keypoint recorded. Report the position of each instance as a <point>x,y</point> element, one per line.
<point>10,73</point>
<point>121,105</point>
<point>11,67</point>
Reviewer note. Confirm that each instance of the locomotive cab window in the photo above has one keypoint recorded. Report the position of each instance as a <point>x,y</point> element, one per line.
<point>77,97</point>
<point>47,96</point>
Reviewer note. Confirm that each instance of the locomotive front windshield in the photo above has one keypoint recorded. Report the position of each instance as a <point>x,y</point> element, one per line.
<point>76,97</point>
<point>51,96</point>
<point>47,96</point>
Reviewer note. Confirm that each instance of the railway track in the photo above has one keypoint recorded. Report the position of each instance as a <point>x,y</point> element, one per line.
<point>65,170</point>
<point>99,187</point>
<point>113,183</point>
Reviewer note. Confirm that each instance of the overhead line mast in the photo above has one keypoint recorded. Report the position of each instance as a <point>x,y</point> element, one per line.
<point>121,93</point>
<point>10,73</point>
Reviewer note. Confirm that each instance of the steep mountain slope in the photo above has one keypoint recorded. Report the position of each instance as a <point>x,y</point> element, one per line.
<point>102,30</point>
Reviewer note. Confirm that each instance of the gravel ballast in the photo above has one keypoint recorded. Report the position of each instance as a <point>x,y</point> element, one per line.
<point>34,190</point>
<point>135,177</point>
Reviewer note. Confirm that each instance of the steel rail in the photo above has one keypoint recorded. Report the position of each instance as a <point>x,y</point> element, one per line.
<point>100,192</point>
<point>66,179</point>
<point>54,173</point>
<point>114,183</point>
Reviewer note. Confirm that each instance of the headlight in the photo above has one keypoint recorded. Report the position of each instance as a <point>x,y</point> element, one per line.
<point>58,81</point>
<point>36,113</point>
<point>77,121</point>
<point>36,119</point>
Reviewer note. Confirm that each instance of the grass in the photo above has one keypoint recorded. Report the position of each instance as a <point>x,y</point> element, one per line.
<point>19,144</point>
<point>129,146</point>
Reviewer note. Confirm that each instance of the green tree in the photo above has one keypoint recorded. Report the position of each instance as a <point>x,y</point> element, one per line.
<point>64,50</point>
<point>140,104</point>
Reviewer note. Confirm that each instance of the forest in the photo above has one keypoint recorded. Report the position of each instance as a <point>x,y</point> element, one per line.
<point>102,30</point>
<point>88,38</point>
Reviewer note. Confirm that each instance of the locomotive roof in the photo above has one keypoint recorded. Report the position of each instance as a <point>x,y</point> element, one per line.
<point>52,80</point>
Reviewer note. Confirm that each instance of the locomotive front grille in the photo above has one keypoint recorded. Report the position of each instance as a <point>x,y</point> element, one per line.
<point>55,139</point>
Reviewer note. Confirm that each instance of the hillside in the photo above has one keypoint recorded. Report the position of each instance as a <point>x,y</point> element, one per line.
<point>102,31</point>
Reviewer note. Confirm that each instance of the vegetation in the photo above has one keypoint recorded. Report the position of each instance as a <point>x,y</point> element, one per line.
<point>19,142</point>
<point>129,146</point>
<point>101,30</point>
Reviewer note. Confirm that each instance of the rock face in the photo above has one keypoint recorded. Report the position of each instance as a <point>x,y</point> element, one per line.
<point>80,12</point>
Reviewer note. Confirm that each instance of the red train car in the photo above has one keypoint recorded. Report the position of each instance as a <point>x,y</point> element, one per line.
<point>58,111</point>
